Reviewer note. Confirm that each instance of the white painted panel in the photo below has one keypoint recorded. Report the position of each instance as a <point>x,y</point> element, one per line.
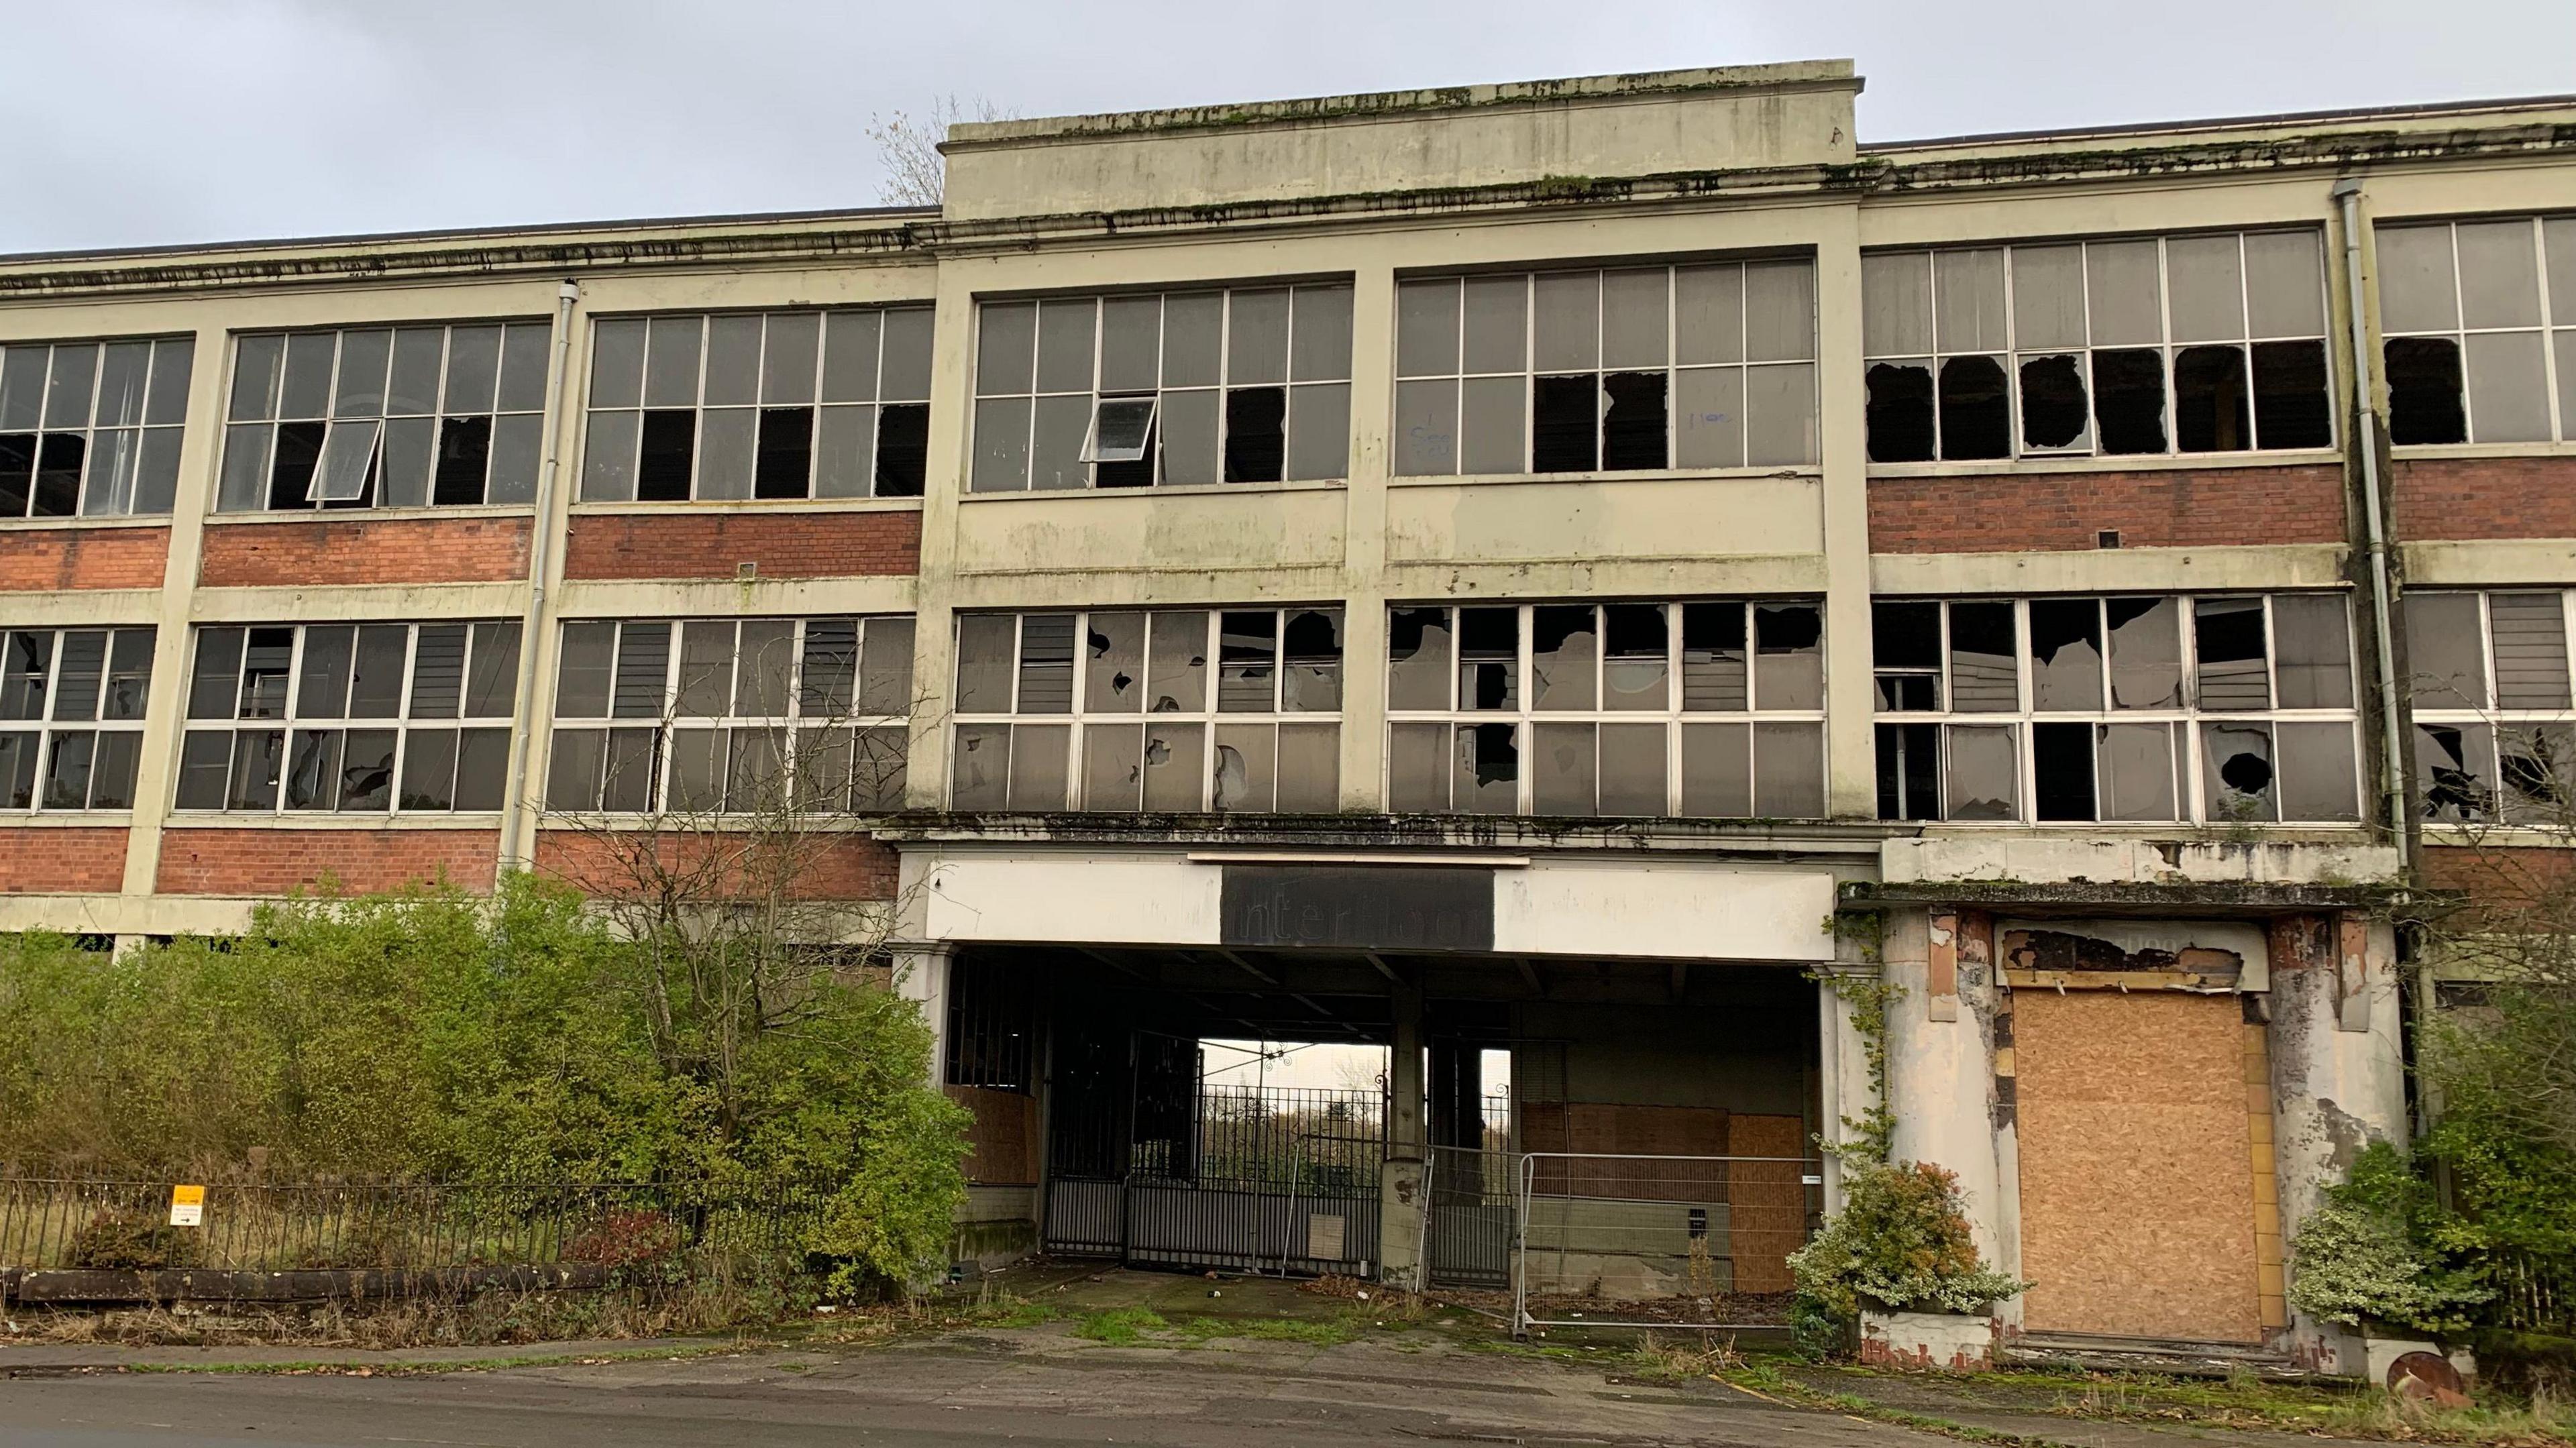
<point>1092,899</point>
<point>1653,909</point>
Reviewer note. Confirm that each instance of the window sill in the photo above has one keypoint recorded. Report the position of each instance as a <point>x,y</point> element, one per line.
<point>2430,452</point>
<point>2127,463</point>
<point>43,525</point>
<point>68,818</point>
<point>371,515</point>
<point>746,505</point>
<point>1635,475</point>
<point>225,820</point>
<point>2136,829</point>
<point>1161,490</point>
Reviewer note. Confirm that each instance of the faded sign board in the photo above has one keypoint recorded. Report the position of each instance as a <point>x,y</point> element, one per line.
<point>1392,907</point>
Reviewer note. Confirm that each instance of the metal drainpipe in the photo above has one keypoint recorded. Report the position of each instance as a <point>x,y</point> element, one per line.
<point>515,805</point>
<point>2347,191</point>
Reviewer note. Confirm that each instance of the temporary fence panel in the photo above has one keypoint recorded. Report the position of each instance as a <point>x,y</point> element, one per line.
<point>1651,1241</point>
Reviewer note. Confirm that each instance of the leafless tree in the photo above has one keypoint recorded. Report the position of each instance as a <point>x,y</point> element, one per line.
<point>908,147</point>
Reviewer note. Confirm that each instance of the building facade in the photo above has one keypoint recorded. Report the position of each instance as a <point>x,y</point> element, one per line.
<point>1590,569</point>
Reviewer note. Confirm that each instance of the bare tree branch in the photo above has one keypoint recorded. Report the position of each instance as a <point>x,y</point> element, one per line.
<point>908,147</point>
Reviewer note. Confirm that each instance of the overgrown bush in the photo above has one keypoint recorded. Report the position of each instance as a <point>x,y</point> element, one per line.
<point>2381,1253</point>
<point>130,1242</point>
<point>432,1035</point>
<point>1901,1241</point>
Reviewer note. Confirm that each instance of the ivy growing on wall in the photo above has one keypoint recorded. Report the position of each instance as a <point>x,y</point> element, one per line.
<point>1869,1138</point>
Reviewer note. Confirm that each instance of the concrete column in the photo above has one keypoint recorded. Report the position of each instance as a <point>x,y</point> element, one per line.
<point>1364,498</point>
<point>921,976</point>
<point>2338,1076</point>
<point>1843,1071</point>
<point>1401,1195</point>
<point>1851,770</point>
<point>1941,1064</point>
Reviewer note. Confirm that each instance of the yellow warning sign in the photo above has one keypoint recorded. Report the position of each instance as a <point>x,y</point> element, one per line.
<point>187,1206</point>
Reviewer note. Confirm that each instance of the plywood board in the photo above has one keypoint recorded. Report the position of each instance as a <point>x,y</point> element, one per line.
<point>1767,1200</point>
<point>2137,1186</point>
<point>1003,1136</point>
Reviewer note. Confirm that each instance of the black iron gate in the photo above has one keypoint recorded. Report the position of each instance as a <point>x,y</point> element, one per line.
<point>1467,1240</point>
<point>1243,1179</point>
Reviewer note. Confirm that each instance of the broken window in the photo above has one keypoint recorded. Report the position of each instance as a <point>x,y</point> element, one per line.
<point>1147,731</point>
<point>2181,344</point>
<point>750,406</point>
<point>91,428</point>
<point>1600,729</point>
<point>71,715</point>
<point>338,731</point>
<point>2115,664</point>
<point>2489,678</point>
<point>1250,385</point>
<point>743,716</point>
<point>446,416</point>
<point>1607,371</point>
<point>2480,325</point>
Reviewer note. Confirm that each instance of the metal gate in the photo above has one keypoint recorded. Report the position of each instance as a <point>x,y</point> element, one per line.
<point>1278,1180</point>
<point>1474,1207</point>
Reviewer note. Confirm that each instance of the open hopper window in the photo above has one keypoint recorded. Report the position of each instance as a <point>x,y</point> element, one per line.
<point>2155,709</point>
<point>1243,385</point>
<point>378,417</point>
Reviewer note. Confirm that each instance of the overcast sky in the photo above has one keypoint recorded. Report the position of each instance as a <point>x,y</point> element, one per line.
<point>141,122</point>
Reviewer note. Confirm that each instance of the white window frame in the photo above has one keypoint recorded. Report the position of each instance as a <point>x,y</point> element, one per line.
<point>667,723</point>
<point>2187,720</point>
<point>2555,332</point>
<point>1674,716</point>
<point>1080,718</point>
<point>50,730</point>
<point>2487,713</point>
<point>145,446</point>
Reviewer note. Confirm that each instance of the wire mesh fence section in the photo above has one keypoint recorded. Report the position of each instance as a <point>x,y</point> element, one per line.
<point>1658,1240</point>
<point>1316,1138</point>
<point>58,1223</point>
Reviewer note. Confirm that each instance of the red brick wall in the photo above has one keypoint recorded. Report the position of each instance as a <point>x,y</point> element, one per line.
<point>851,867</point>
<point>272,862</point>
<point>44,559</point>
<point>368,550</point>
<point>783,545</point>
<point>2502,877</point>
<point>80,861</point>
<point>2484,497</point>
<point>2160,508</point>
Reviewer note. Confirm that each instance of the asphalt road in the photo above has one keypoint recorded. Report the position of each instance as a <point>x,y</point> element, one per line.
<point>966,1390</point>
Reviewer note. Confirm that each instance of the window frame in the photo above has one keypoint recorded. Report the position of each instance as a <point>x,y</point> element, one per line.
<point>2186,721</point>
<point>290,723</point>
<point>1080,720</point>
<point>1673,369</point>
<point>597,488</point>
<point>668,723</point>
<point>252,439</point>
<point>50,731</point>
<point>158,435</point>
<point>2488,713</point>
<point>987,424</point>
<point>1675,717</point>
<point>2557,334</point>
<point>2013,355</point>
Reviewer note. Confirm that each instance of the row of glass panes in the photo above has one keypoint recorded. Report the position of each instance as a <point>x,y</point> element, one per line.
<point>2230,771</point>
<point>91,428</point>
<point>1128,391</point>
<point>759,405</point>
<point>392,417</point>
<point>2480,324</point>
<point>2086,655</point>
<point>1632,369</point>
<point>800,714</point>
<point>1202,743</point>
<point>1611,766</point>
<point>352,708</point>
<point>2494,741</point>
<point>1669,657</point>
<point>80,678</point>
<point>2156,345</point>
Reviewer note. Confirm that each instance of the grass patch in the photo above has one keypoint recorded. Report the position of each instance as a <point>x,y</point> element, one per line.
<point>1120,1327</point>
<point>1313,1331</point>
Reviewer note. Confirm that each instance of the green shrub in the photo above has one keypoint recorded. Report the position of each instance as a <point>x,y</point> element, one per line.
<point>1901,1241</point>
<point>2380,1252</point>
<point>130,1242</point>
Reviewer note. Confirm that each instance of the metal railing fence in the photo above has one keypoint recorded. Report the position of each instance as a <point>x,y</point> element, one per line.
<point>49,1223</point>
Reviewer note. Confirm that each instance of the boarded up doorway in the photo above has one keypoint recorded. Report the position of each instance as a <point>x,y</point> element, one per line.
<point>2137,1180</point>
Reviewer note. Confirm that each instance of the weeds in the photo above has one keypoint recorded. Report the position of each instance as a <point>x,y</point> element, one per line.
<point>1120,1327</point>
<point>1687,1355</point>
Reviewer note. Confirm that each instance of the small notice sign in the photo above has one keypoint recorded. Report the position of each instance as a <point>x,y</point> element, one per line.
<point>188,1206</point>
